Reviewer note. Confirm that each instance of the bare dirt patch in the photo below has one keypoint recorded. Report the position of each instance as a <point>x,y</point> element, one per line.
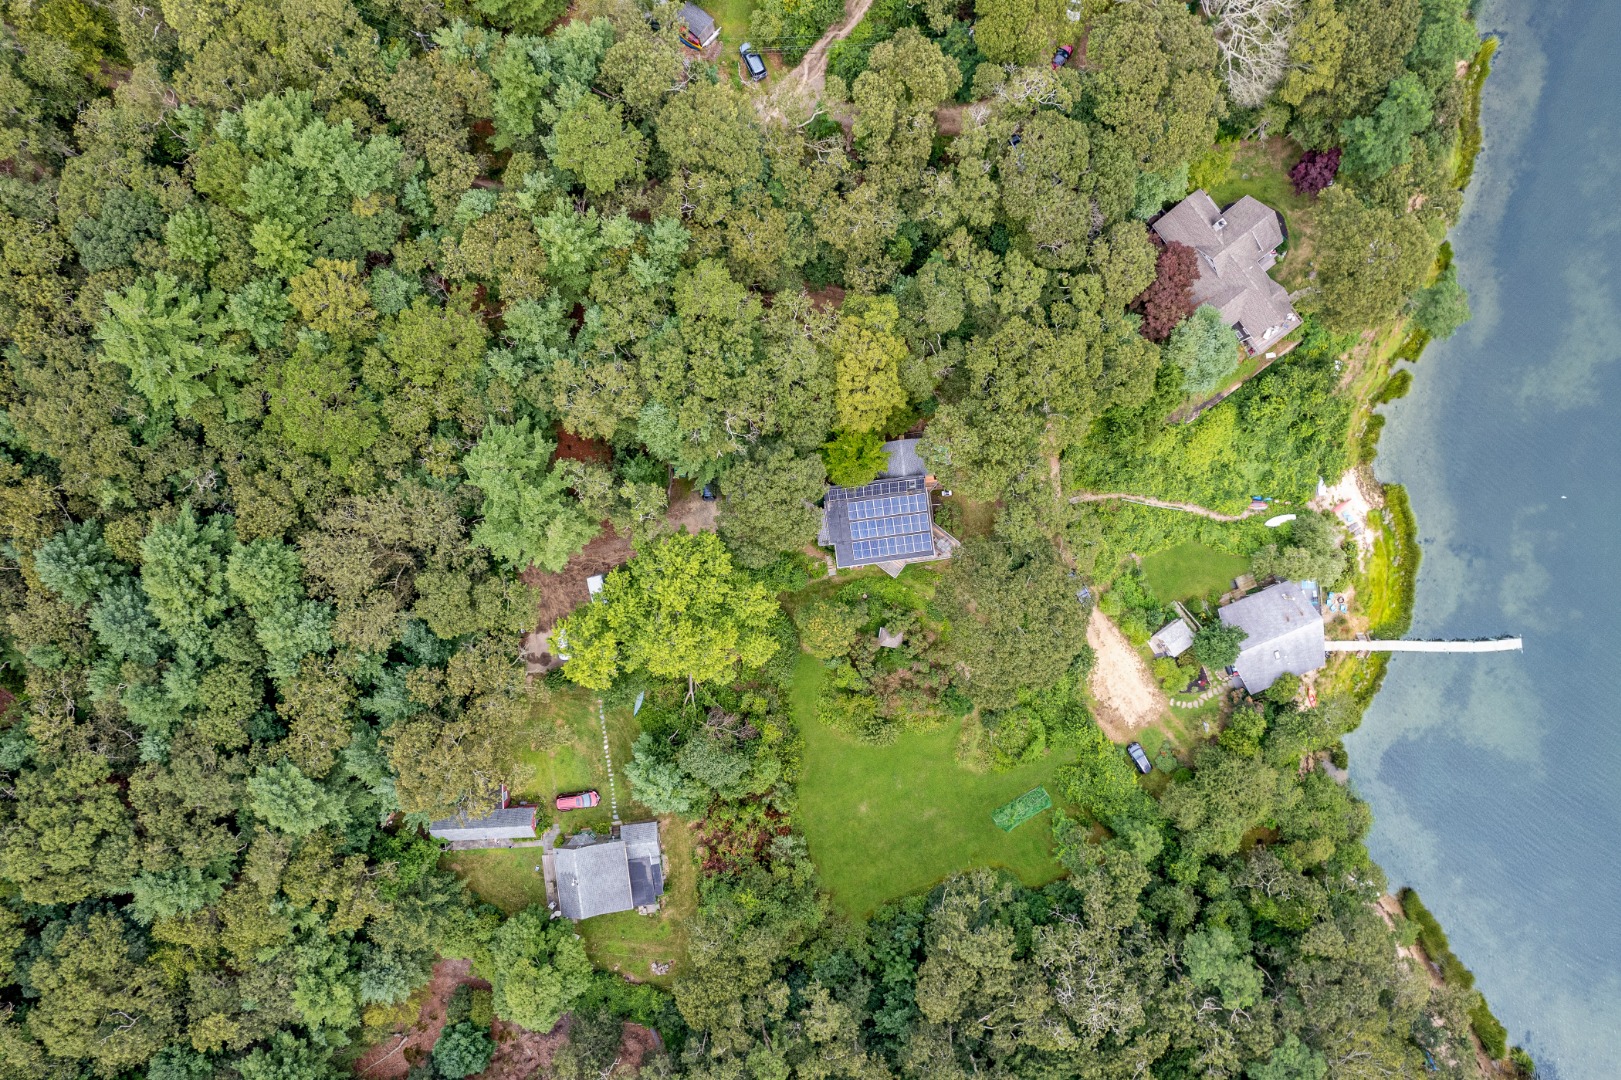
<point>1127,696</point>
<point>827,298</point>
<point>690,510</point>
<point>562,592</point>
<point>519,1053</point>
<point>393,1058</point>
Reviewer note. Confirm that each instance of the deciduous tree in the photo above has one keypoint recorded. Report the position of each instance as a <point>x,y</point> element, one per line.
<point>678,610</point>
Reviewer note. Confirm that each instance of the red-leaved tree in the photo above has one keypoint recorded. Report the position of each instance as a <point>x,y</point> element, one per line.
<point>1315,171</point>
<point>1169,299</point>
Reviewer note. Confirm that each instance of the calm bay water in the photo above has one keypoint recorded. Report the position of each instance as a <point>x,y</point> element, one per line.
<point>1496,780</point>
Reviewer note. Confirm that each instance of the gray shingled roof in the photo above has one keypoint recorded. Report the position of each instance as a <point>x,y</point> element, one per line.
<point>602,875</point>
<point>699,21</point>
<point>1173,639</point>
<point>903,458</point>
<point>887,520</point>
<point>593,880</point>
<point>512,823</point>
<point>1233,264</point>
<point>1283,633</point>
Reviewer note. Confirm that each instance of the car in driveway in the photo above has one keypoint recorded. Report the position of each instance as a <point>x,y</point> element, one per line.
<point>583,800</point>
<point>1061,57</point>
<point>752,61</point>
<point>1139,758</point>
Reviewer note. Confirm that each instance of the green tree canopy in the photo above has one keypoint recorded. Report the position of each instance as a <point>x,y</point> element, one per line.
<point>537,969</point>
<point>679,610</point>
<point>529,518</point>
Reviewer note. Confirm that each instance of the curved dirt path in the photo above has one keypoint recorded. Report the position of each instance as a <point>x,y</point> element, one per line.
<point>1148,500</point>
<point>811,72</point>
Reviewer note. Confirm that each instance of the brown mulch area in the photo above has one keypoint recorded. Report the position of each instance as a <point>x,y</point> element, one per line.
<point>519,1054</point>
<point>578,448</point>
<point>390,1060</point>
<point>827,298</point>
<point>562,592</point>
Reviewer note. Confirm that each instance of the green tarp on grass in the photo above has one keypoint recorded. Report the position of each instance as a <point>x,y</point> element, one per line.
<point>1011,815</point>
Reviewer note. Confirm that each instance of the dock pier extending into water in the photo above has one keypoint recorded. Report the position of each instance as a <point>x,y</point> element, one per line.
<point>1508,644</point>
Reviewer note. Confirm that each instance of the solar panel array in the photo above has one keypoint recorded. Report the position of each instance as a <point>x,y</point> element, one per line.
<point>866,529</point>
<point>887,519</point>
<point>892,547</point>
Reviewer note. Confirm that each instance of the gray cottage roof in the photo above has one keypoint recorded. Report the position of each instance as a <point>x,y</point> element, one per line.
<point>512,823</point>
<point>1283,633</point>
<point>1173,639</point>
<point>887,520</point>
<point>1236,247</point>
<point>599,876</point>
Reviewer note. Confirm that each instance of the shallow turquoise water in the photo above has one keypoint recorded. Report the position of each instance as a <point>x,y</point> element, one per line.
<point>1496,780</point>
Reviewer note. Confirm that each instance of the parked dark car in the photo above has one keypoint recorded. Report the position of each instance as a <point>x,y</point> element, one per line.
<point>752,61</point>
<point>1139,758</point>
<point>1061,57</point>
<point>582,801</point>
<point>709,493</point>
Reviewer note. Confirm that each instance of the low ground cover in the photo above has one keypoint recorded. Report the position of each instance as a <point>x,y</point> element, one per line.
<point>882,822</point>
<point>1192,571</point>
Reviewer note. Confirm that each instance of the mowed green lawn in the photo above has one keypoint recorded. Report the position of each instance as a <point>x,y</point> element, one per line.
<point>882,822</point>
<point>1190,571</point>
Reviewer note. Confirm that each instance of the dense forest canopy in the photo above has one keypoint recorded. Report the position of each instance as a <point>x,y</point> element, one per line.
<point>298,302</point>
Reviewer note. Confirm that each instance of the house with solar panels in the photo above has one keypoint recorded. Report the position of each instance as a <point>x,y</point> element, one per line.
<point>889,522</point>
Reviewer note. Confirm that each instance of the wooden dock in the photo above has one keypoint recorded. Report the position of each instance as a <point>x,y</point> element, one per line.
<point>1508,644</point>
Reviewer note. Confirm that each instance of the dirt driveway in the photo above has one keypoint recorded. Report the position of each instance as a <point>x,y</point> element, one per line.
<point>1126,694</point>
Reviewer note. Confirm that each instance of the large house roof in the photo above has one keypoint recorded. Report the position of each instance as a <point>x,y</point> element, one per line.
<point>1283,633</point>
<point>884,521</point>
<point>599,876</point>
<point>1237,247</point>
<point>511,823</point>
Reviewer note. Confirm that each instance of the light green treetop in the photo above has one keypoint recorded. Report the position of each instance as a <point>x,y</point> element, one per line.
<point>678,610</point>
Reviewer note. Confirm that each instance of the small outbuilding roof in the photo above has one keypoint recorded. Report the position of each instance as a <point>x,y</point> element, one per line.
<point>1173,639</point>
<point>1283,633</point>
<point>510,823</point>
<point>602,875</point>
<point>700,22</point>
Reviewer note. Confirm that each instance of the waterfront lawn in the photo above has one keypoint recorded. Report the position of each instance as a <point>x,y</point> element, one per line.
<point>885,821</point>
<point>1192,571</point>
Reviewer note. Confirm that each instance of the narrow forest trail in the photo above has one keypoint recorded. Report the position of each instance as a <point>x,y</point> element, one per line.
<point>809,76</point>
<point>1148,500</point>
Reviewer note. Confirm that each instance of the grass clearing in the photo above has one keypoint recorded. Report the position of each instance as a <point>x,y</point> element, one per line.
<point>885,821</point>
<point>1192,571</point>
<point>506,877</point>
<point>733,17</point>
<point>562,748</point>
